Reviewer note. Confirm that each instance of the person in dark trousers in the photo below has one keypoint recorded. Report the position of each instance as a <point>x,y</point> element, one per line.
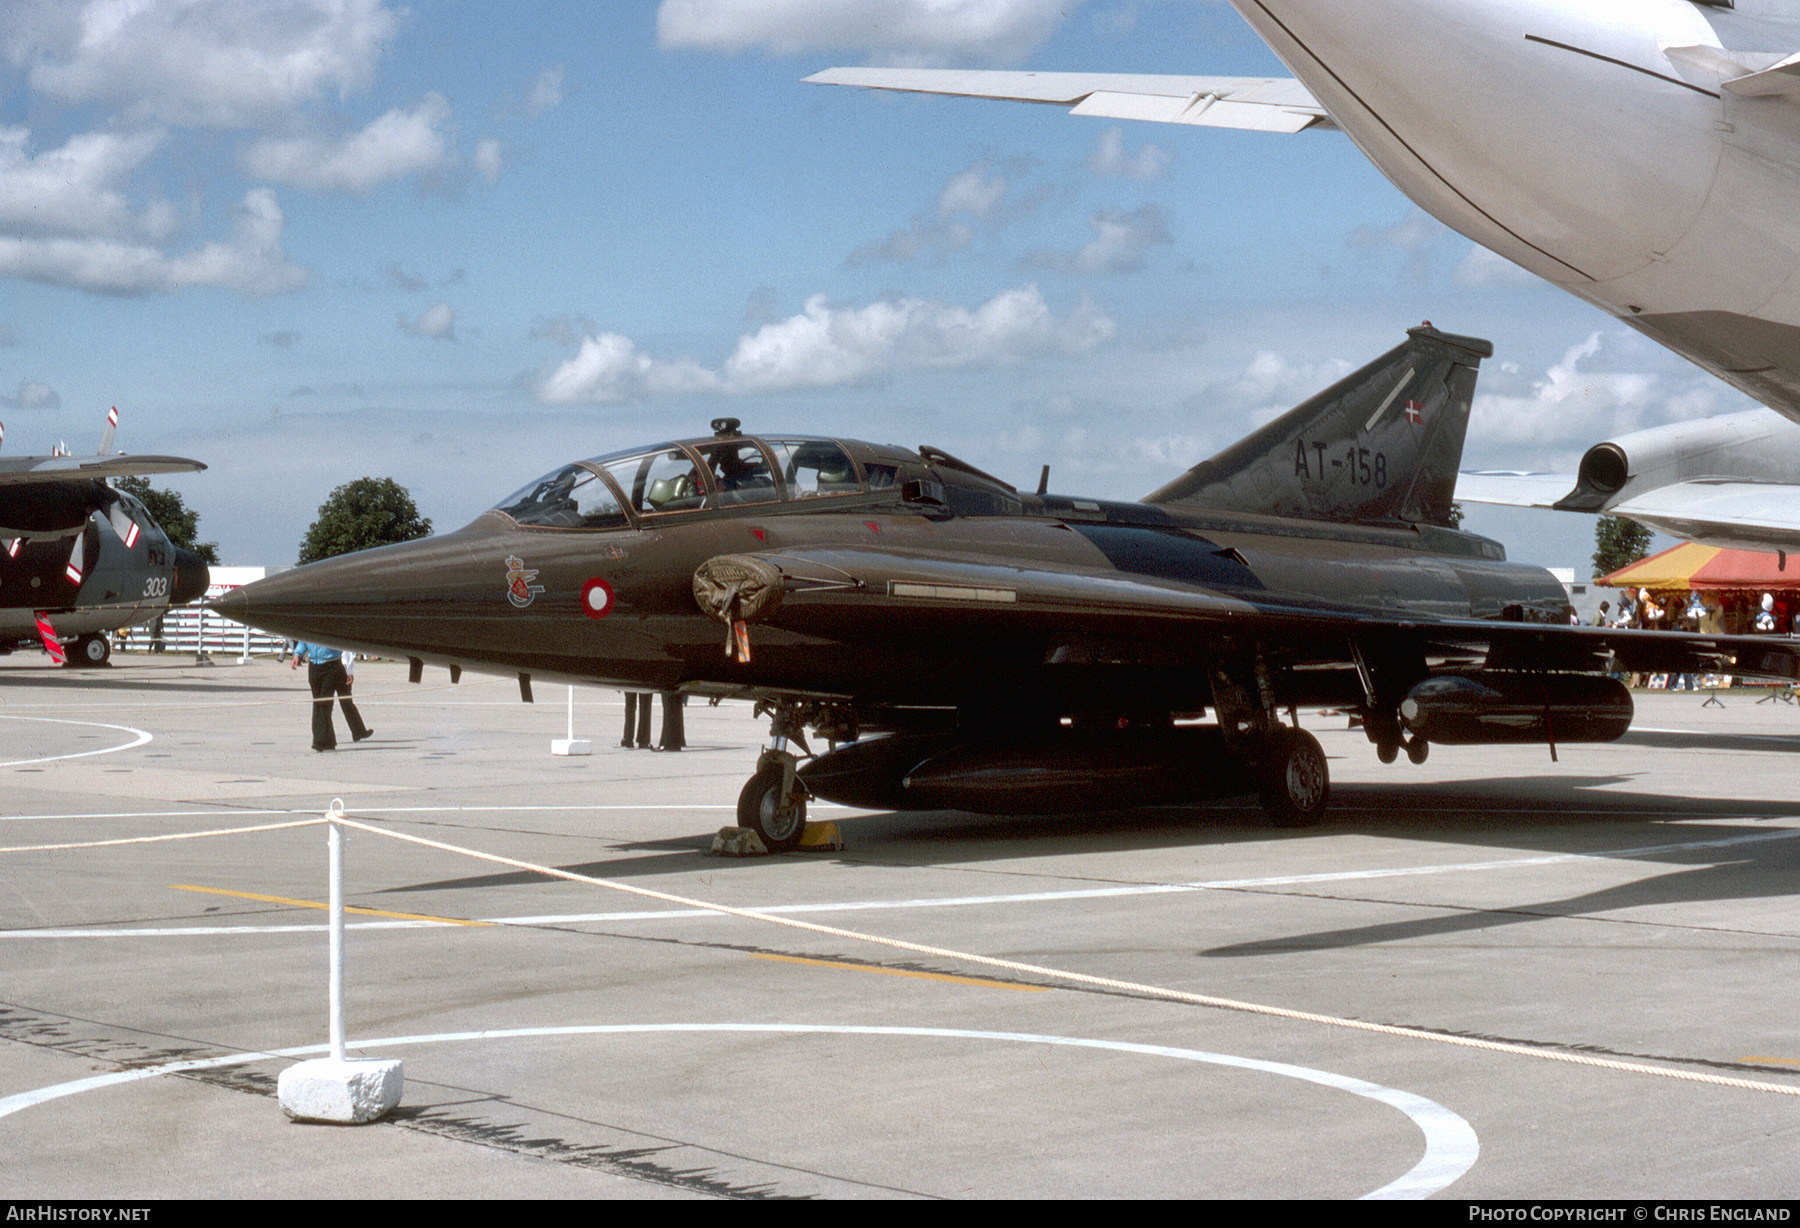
<point>325,673</point>
<point>674,726</point>
<point>637,720</point>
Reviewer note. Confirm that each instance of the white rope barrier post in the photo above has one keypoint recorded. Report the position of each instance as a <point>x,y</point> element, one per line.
<point>338,1088</point>
<point>571,745</point>
<point>334,843</point>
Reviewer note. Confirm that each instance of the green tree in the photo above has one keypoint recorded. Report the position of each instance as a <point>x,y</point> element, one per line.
<point>361,514</point>
<point>172,516</point>
<point>1618,542</point>
<point>1456,515</point>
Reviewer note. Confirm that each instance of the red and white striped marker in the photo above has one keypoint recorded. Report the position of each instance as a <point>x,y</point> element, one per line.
<point>51,644</point>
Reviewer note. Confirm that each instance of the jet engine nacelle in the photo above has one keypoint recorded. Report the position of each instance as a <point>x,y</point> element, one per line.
<point>1756,446</point>
<point>1493,708</point>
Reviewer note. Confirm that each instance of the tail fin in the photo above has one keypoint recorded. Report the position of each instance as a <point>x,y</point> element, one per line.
<point>106,434</point>
<point>1381,444</point>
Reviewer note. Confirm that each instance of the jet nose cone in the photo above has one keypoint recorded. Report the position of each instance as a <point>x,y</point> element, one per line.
<point>232,604</point>
<point>191,578</point>
<point>372,600</point>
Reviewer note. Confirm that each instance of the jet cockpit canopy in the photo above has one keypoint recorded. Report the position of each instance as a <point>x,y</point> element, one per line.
<point>613,491</point>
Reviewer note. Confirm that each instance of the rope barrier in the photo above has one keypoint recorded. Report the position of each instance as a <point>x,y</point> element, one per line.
<point>1512,1048</point>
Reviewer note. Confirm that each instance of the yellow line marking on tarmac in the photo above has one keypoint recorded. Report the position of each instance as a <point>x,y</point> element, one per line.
<point>1783,1061</point>
<point>923,976</point>
<point>367,912</point>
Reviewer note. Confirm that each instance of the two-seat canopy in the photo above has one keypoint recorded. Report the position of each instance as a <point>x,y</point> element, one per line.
<point>613,491</point>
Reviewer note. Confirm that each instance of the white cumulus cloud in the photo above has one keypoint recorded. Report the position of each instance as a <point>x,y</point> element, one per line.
<point>1599,388</point>
<point>489,160</point>
<point>547,92</point>
<point>252,260</point>
<point>972,199</point>
<point>208,63</point>
<point>610,368</point>
<point>1110,157</point>
<point>32,394</point>
<point>1120,243</point>
<point>826,347</point>
<point>76,189</point>
<point>397,144</point>
<point>437,321</point>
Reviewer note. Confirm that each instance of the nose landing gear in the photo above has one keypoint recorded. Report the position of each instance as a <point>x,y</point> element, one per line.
<point>773,800</point>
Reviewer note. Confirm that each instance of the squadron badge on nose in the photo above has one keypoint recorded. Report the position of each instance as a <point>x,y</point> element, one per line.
<point>519,587</point>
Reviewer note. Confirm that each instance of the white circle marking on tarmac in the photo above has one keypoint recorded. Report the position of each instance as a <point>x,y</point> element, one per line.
<point>1451,1147</point>
<point>141,737</point>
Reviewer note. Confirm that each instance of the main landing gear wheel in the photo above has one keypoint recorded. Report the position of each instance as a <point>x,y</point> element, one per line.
<point>778,820</point>
<point>88,650</point>
<point>1295,784</point>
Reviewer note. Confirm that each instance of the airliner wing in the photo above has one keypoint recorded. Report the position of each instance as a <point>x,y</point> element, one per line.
<point>1735,515</point>
<point>1264,104</point>
<point>1509,489</point>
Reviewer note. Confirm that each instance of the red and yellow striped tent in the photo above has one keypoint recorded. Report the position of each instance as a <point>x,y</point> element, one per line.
<point>1706,567</point>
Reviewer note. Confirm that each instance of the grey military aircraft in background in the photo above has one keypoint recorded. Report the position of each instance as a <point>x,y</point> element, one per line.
<point>79,558</point>
<point>1024,652</point>
<point>1731,481</point>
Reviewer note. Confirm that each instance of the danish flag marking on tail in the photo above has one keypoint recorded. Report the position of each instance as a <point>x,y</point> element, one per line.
<point>1415,412</point>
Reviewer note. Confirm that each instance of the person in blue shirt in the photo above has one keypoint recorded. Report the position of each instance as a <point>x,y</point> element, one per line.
<point>325,672</point>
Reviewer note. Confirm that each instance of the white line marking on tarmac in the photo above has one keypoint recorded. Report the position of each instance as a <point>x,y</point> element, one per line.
<point>1028,897</point>
<point>141,736</point>
<point>365,810</point>
<point>1451,1146</point>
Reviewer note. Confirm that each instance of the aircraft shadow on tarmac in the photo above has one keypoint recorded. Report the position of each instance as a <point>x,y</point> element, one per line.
<point>1485,812</point>
<point>1760,870</point>
<point>58,678</point>
<point>1773,743</point>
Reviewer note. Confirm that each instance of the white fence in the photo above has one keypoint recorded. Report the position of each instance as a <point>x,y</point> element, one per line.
<point>189,628</point>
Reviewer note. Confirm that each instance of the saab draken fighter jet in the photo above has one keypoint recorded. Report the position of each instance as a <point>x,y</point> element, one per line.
<point>1024,652</point>
<point>79,558</point>
<point>1644,155</point>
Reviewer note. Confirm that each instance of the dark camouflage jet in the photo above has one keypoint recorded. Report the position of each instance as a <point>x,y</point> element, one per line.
<point>79,558</point>
<point>1024,653</point>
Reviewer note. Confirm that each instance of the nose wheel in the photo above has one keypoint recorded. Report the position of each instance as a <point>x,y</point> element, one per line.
<point>88,650</point>
<point>773,802</point>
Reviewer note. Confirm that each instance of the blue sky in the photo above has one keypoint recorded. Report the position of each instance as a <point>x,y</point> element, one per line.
<point>458,244</point>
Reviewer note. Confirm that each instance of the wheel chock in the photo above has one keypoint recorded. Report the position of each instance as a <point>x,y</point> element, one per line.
<point>820,838</point>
